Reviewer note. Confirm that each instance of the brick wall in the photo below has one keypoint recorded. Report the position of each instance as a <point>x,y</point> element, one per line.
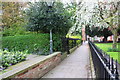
<point>40,69</point>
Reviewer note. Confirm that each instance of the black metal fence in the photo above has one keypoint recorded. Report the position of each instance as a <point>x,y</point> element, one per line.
<point>105,67</point>
<point>68,43</point>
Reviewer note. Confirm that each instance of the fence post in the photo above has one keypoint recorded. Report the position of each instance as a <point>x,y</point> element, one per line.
<point>63,44</point>
<point>112,66</point>
<point>116,72</point>
<point>68,46</point>
<point>72,43</point>
<point>109,62</point>
<point>75,43</point>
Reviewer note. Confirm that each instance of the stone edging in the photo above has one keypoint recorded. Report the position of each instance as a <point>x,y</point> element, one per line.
<point>92,67</point>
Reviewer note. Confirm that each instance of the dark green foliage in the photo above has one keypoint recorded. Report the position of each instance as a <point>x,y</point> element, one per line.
<point>43,18</point>
<point>88,30</point>
<point>94,31</point>
<point>31,42</point>
<point>11,58</point>
<point>97,31</point>
<point>113,50</point>
<point>14,31</point>
<point>57,43</point>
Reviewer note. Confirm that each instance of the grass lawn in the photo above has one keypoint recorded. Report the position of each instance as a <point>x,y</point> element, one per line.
<point>106,46</point>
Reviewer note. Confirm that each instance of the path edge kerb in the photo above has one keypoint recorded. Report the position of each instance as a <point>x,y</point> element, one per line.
<point>92,69</point>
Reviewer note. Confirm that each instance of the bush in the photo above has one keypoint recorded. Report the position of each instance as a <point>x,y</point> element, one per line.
<point>36,43</point>
<point>57,43</point>
<point>15,29</point>
<point>113,50</point>
<point>32,42</point>
<point>11,58</point>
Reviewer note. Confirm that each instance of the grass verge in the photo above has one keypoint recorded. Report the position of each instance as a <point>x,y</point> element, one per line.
<point>106,46</point>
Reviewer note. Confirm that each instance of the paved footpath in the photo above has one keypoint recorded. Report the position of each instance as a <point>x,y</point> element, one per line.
<point>77,65</point>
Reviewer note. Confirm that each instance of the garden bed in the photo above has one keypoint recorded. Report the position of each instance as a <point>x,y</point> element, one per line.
<point>8,59</point>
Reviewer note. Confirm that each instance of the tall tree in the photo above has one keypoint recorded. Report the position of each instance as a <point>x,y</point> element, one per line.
<point>12,13</point>
<point>98,31</point>
<point>108,14</point>
<point>43,18</point>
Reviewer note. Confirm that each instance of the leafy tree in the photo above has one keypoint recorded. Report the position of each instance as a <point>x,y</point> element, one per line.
<point>11,13</point>
<point>42,18</point>
<point>88,30</point>
<point>106,32</point>
<point>98,31</point>
<point>12,17</point>
<point>93,31</point>
<point>107,13</point>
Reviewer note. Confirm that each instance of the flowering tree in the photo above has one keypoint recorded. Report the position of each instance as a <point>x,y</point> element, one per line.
<point>108,14</point>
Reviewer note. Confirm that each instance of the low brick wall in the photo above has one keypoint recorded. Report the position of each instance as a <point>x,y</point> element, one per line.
<point>41,68</point>
<point>38,68</point>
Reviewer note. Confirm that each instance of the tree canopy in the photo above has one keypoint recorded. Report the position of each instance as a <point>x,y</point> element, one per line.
<point>43,18</point>
<point>107,13</point>
<point>98,31</point>
<point>12,13</point>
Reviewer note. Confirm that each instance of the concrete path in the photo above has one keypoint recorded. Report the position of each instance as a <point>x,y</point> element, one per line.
<point>77,65</point>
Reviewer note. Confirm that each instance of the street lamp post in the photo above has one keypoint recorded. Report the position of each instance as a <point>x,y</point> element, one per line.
<point>51,42</point>
<point>50,4</point>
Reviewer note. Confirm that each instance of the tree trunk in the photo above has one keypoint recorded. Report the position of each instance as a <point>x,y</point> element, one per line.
<point>105,39</point>
<point>114,39</point>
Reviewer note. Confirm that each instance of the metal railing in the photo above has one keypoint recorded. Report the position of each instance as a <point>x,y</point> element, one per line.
<point>68,43</point>
<point>105,67</point>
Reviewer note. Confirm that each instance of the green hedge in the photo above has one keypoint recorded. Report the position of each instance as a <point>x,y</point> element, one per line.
<point>33,43</point>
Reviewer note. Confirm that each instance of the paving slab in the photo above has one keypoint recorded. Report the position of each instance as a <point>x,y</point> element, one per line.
<point>76,65</point>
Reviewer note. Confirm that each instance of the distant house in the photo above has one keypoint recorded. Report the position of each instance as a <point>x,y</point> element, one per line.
<point>110,38</point>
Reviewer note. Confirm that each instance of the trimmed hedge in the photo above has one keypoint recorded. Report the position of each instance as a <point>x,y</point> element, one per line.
<point>31,42</point>
<point>37,43</point>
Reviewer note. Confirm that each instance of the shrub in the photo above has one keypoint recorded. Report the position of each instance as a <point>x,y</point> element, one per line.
<point>32,42</point>
<point>11,58</point>
<point>113,50</point>
<point>57,43</point>
<point>35,43</point>
<point>15,29</point>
